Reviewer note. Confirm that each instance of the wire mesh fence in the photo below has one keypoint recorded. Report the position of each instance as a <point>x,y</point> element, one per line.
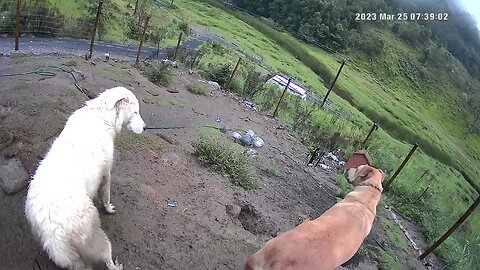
<point>41,21</point>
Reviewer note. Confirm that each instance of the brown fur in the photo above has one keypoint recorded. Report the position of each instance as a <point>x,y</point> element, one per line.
<point>330,240</point>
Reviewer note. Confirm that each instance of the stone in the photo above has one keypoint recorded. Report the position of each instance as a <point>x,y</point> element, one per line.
<point>13,177</point>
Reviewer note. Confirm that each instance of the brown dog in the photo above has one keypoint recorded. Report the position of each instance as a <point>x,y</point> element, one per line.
<point>332,239</point>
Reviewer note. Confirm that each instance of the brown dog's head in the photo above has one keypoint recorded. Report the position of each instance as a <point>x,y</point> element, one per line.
<point>365,173</point>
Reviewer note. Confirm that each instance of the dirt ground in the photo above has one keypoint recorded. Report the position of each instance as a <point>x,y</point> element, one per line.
<point>214,225</point>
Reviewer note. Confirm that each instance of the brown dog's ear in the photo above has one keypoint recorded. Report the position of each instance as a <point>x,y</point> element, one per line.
<point>361,174</point>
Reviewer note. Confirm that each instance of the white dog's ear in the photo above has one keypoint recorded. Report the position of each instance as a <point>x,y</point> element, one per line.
<point>121,104</point>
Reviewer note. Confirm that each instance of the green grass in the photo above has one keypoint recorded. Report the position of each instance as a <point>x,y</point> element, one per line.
<point>343,184</point>
<point>196,89</point>
<point>394,234</point>
<point>387,259</point>
<point>271,170</point>
<point>225,157</point>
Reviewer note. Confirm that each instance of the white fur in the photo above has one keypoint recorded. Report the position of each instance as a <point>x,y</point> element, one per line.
<point>59,204</point>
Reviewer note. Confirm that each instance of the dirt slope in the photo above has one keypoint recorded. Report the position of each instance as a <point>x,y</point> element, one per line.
<point>214,225</point>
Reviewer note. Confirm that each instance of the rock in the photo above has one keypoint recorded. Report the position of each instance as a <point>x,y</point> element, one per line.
<point>153,92</point>
<point>13,176</point>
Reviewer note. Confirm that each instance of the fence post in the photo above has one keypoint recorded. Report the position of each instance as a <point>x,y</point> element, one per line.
<point>333,83</point>
<point>145,25</point>
<point>97,18</point>
<point>374,127</point>
<point>424,191</point>
<point>451,230</point>
<point>178,45</point>
<point>233,74</point>
<point>422,176</point>
<point>17,26</point>
<point>281,98</point>
<point>387,184</point>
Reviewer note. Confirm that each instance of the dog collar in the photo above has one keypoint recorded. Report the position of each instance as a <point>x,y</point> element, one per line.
<point>369,185</point>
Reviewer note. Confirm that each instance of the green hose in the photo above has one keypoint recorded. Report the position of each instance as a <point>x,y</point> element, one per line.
<point>44,71</point>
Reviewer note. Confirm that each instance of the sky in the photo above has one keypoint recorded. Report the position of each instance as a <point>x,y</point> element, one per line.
<point>472,7</point>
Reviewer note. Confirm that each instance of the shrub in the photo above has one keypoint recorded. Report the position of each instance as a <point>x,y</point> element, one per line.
<point>225,159</point>
<point>219,73</point>
<point>196,89</point>
<point>158,73</point>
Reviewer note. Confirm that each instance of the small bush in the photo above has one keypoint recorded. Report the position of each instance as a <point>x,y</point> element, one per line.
<point>272,170</point>
<point>225,159</point>
<point>219,73</point>
<point>196,89</point>
<point>158,74</point>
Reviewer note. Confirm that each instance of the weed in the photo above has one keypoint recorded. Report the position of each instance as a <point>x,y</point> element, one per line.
<point>394,233</point>
<point>387,259</point>
<point>217,72</point>
<point>196,89</point>
<point>158,73</point>
<point>345,186</point>
<point>272,170</point>
<point>225,159</point>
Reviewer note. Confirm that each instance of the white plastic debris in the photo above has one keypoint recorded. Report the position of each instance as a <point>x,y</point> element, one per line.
<point>325,167</point>
<point>235,136</point>
<point>258,142</point>
<point>250,152</point>
<point>246,140</point>
<point>332,157</point>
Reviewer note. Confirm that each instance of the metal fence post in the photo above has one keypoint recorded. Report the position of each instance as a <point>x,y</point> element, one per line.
<point>389,182</point>
<point>281,98</point>
<point>451,230</point>
<point>374,127</point>
<point>333,83</point>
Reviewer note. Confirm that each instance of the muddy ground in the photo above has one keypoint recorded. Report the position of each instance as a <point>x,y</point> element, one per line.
<point>214,225</point>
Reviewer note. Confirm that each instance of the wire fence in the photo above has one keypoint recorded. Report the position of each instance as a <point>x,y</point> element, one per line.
<point>42,22</point>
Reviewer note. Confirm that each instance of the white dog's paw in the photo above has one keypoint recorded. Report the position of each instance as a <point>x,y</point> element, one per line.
<point>110,208</point>
<point>118,266</point>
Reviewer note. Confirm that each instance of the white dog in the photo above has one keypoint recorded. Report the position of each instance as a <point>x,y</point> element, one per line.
<point>59,204</point>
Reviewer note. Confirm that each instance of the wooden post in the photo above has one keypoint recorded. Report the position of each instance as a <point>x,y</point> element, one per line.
<point>281,98</point>
<point>451,230</point>
<point>422,176</point>
<point>141,39</point>
<point>333,83</point>
<point>97,18</point>
<point>178,45</point>
<point>17,26</point>
<point>374,127</point>
<point>233,74</point>
<point>389,182</point>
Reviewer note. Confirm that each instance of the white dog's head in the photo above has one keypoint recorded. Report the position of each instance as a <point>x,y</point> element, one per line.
<point>126,107</point>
